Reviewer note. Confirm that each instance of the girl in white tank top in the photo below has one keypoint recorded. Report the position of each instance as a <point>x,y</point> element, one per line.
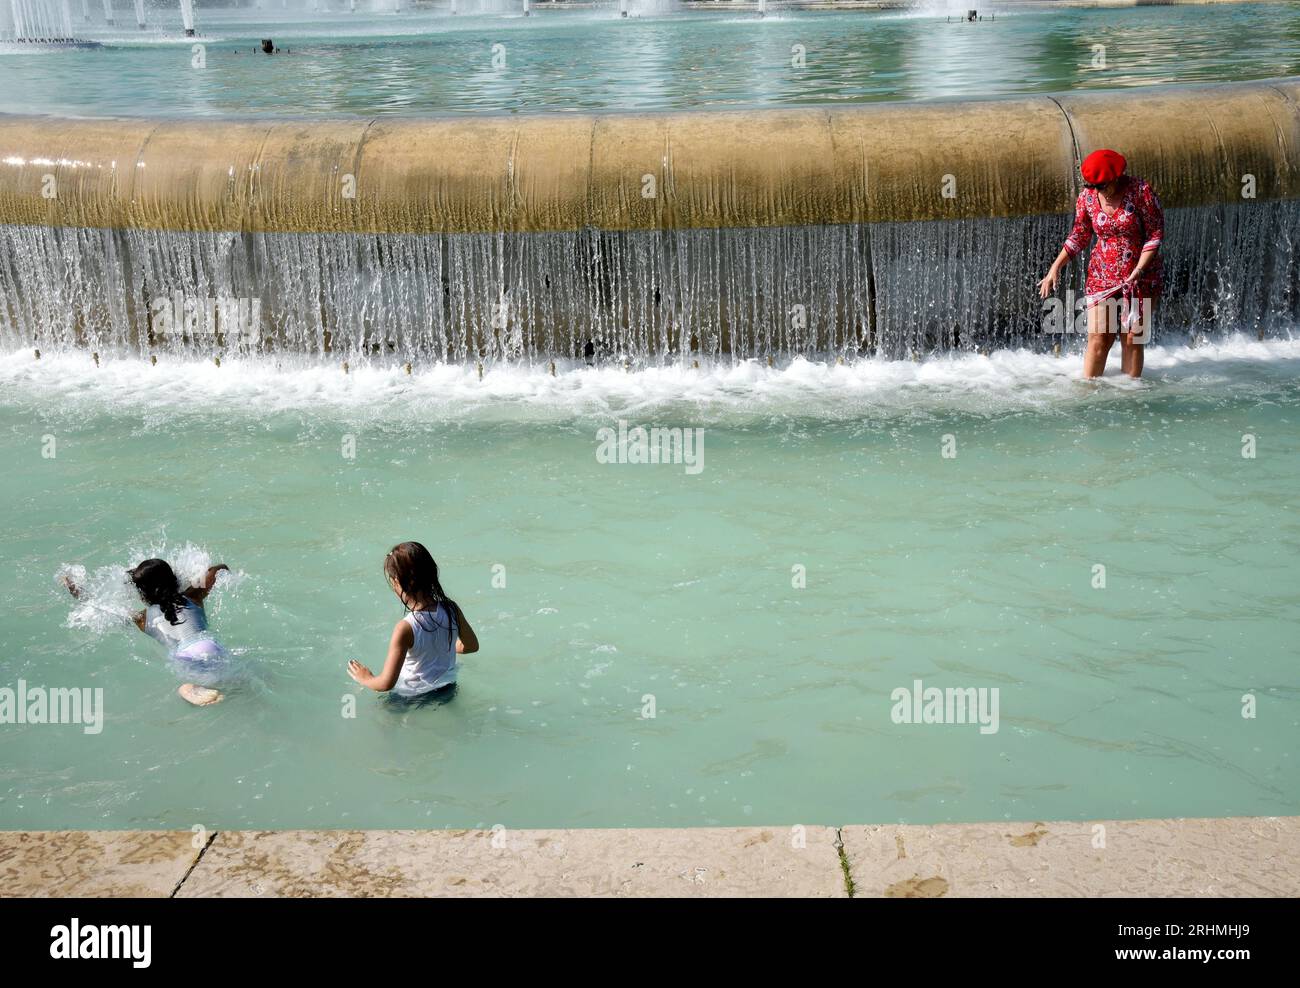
<point>430,662</point>
<point>423,653</point>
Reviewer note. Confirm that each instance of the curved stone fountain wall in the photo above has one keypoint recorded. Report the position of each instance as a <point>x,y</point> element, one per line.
<point>872,163</point>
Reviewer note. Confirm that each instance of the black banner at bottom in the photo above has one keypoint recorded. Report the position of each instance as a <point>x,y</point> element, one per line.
<point>332,937</point>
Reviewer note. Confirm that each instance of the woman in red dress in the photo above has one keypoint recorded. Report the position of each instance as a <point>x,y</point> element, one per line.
<point>1124,272</point>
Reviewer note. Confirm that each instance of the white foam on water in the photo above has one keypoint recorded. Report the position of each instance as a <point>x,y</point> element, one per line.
<point>70,384</point>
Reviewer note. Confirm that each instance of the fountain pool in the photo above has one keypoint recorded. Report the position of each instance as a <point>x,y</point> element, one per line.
<point>827,554</point>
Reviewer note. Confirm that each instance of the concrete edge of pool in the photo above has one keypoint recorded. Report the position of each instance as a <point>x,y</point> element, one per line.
<point>872,163</point>
<point>1238,857</point>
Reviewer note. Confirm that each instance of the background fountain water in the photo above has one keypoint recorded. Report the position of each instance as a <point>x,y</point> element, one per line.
<point>653,8</point>
<point>55,22</point>
<point>45,21</point>
<point>427,61</point>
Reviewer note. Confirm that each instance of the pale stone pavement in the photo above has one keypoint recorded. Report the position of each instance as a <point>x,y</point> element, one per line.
<point>1215,857</point>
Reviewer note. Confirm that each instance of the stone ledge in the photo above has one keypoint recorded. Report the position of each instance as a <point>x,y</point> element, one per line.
<point>688,863</point>
<point>117,864</point>
<point>1246,857</point>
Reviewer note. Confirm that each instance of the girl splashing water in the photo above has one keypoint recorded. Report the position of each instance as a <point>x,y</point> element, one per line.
<point>176,619</point>
<point>422,654</point>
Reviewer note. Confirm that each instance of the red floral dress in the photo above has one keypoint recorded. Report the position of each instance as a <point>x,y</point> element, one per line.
<point>1137,225</point>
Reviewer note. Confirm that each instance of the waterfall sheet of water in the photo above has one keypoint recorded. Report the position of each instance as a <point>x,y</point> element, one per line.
<point>886,289</point>
<point>36,20</point>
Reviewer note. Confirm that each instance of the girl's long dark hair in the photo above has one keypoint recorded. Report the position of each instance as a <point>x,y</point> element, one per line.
<point>157,584</point>
<point>412,568</point>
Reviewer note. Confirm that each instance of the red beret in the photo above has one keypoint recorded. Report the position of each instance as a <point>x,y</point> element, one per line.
<point>1102,166</point>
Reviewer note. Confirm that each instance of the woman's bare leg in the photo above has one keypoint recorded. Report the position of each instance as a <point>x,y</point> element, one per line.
<point>1100,340</point>
<point>1130,359</point>
<point>1133,343</point>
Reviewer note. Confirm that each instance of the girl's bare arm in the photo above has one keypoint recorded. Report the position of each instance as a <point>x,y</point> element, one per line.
<point>200,594</point>
<point>468,641</point>
<point>137,617</point>
<point>401,642</point>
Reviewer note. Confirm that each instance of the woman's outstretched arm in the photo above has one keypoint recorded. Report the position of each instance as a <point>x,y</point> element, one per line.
<point>1079,238</point>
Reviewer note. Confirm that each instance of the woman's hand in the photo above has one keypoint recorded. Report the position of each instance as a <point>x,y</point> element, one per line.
<point>359,672</point>
<point>1048,284</point>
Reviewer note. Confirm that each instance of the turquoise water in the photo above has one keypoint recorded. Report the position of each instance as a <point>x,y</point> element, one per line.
<point>421,62</point>
<point>625,580</point>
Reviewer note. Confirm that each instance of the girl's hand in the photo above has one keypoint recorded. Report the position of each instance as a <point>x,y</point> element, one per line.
<point>359,672</point>
<point>1048,284</point>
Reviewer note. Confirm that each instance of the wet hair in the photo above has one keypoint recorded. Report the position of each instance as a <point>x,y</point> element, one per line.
<point>157,585</point>
<point>412,568</point>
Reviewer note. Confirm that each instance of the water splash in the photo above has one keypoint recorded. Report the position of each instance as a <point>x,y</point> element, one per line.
<point>69,391</point>
<point>108,599</point>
